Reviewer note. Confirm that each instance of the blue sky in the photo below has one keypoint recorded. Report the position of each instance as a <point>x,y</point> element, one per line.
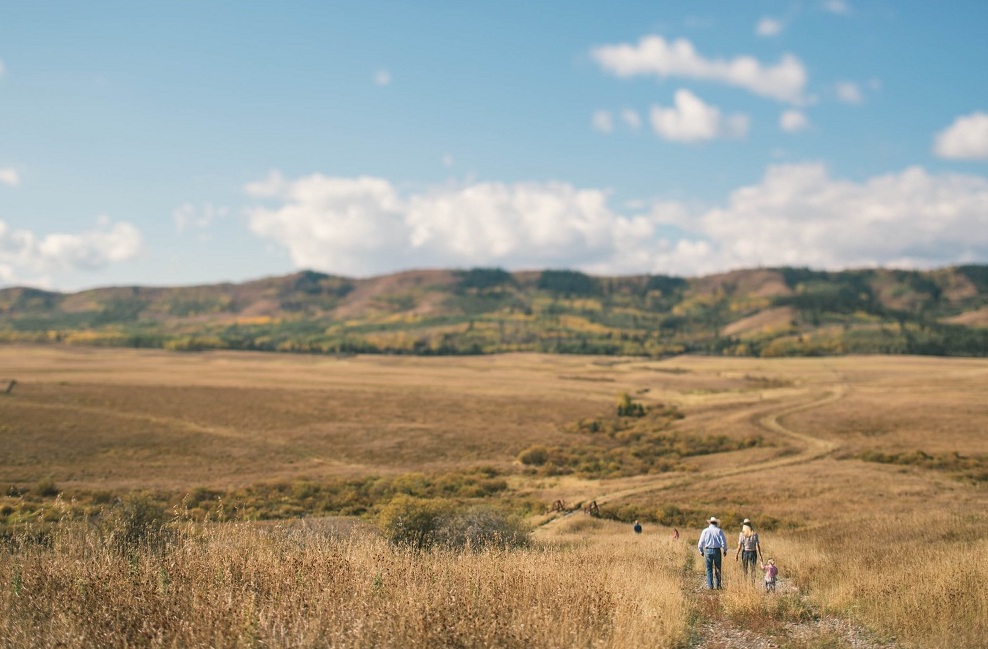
<point>184,143</point>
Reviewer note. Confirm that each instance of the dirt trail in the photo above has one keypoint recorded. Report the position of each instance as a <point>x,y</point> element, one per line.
<point>110,413</point>
<point>811,448</point>
<point>720,632</point>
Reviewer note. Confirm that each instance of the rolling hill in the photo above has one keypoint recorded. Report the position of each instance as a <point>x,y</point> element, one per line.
<point>757,312</point>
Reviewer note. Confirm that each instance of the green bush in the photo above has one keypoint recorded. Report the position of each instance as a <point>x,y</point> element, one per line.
<point>534,456</point>
<point>413,522</point>
<point>424,524</point>
<point>628,407</point>
<point>45,488</point>
<point>482,527</point>
<point>137,521</point>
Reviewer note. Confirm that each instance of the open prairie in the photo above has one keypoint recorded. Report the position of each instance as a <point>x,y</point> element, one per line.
<point>866,476</point>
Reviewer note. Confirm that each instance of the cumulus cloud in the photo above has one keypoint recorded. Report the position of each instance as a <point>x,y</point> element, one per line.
<point>603,121</point>
<point>382,78</point>
<point>653,55</point>
<point>839,7</point>
<point>692,120</point>
<point>849,92</point>
<point>965,139</point>
<point>27,257</point>
<point>799,215</point>
<point>10,177</point>
<point>631,119</point>
<point>189,217</point>
<point>793,121</point>
<point>362,226</point>
<point>768,27</point>
<point>796,215</point>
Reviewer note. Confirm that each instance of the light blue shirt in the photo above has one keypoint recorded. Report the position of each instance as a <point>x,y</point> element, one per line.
<point>712,537</point>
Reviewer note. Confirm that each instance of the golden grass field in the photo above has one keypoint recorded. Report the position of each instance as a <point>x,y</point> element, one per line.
<point>871,554</point>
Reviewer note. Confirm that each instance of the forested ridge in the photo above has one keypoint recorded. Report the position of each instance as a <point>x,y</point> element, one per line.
<point>757,312</point>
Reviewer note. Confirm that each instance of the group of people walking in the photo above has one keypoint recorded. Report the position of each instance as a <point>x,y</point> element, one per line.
<point>713,548</point>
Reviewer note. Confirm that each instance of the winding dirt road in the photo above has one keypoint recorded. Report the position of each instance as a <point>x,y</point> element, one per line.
<point>809,448</point>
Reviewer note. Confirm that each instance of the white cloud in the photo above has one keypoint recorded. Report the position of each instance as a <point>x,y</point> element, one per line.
<point>274,186</point>
<point>30,258</point>
<point>849,92</point>
<point>799,215</point>
<point>382,78</point>
<point>796,215</point>
<point>189,217</point>
<point>839,7</point>
<point>653,55</point>
<point>692,120</point>
<point>793,121</point>
<point>10,177</point>
<point>603,121</point>
<point>631,119</point>
<point>965,139</point>
<point>362,226</point>
<point>768,27</point>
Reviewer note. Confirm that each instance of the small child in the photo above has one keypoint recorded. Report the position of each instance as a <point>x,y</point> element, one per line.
<point>637,527</point>
<point>770,572</point>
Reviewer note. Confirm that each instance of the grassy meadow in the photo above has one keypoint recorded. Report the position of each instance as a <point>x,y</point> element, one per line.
<point>228,499</point>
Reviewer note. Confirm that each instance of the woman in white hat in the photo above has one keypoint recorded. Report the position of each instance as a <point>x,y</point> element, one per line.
<point>749,550</point>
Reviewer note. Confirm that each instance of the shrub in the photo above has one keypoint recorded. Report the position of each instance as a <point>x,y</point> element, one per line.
<point>482,527</point>
<point>534,456</point>
<point>45,488</point>
<point>423,524</point>
<point>135,522</point>
<point>628,407</point>
<point>411,521</point>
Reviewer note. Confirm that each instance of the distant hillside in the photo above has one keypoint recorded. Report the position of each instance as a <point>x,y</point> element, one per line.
<point>763,312</point>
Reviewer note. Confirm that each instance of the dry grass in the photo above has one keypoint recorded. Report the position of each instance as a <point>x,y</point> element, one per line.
<point>89,419</point>
<point>245,586</point>
<point>919,578</point>
<point>897,549</point>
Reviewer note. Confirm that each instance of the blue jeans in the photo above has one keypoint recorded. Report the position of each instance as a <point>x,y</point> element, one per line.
<point>749,563</point>
<point>712,557</point>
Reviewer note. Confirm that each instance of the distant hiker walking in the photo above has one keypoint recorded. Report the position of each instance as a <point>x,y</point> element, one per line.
<point>637,527</point>
<point>749,550</point>
<point>713,546</point>
<point>770,572</point>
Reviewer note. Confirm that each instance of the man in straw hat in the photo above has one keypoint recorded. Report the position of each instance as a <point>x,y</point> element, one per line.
<point>713,547</point>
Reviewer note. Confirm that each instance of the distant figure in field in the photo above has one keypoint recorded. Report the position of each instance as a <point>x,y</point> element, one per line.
<point>713,547</point>
<point>675,534</point>
<point>749,550</point>
<point>770,572</point>
<point>592,509</point>
<point>637,527</point>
